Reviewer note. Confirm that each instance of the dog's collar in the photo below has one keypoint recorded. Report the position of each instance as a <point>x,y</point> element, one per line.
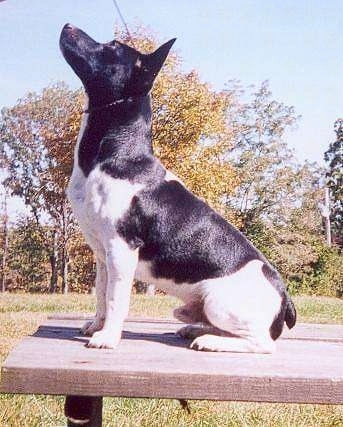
<point>112,104</point>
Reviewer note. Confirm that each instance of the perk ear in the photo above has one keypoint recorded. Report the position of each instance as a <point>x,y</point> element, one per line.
<point>155,60</point>
<point>152,63</point>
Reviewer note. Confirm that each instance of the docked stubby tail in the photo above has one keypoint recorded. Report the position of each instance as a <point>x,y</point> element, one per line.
<point>287,312</point>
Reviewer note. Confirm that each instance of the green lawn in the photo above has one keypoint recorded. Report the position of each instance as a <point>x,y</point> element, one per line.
<point>21,313</point>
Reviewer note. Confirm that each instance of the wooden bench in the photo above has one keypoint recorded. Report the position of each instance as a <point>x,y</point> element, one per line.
<point>152,362</point>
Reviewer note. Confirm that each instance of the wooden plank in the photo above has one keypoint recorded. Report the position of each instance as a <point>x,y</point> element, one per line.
<point>152,362</point>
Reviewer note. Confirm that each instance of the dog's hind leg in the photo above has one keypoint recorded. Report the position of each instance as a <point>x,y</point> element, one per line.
<point>100,287</point>
<point>121,263</point>
<point>243,304</point>
<point>230,333</point>
<point>193,313</point>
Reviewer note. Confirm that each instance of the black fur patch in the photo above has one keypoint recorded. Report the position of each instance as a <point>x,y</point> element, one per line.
<point>106,139</point>
<point>183,238</point>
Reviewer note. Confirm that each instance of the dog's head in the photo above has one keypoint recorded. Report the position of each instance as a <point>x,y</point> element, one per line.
<point>111,71</point>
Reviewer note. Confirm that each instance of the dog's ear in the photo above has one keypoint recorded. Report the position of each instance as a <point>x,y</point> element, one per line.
<point>152,63</point>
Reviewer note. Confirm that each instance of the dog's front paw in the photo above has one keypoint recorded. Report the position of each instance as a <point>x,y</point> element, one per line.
<point>104,339</point>
<point>91,327</point>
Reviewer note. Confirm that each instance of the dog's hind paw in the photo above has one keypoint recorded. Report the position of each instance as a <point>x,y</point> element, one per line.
<point>92,326</point>
<point>103,339</point>
<point>205,343</point>
<point>210,342</point>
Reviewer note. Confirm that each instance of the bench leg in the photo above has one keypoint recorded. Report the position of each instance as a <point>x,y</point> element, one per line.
<point>83,411</point>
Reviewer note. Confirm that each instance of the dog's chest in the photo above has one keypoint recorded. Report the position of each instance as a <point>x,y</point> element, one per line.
<point>76,192</point>
<point>99,200</point>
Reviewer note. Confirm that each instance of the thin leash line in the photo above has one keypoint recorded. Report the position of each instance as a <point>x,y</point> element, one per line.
<point>124,22</point>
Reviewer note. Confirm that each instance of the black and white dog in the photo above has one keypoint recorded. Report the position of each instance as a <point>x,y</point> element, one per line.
<point>142,222</point>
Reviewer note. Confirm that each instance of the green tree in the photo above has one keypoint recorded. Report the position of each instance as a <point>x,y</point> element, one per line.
<point>264,164</point>
<point>334,180</point>
<point>277,198</point>
<point>28,257</point>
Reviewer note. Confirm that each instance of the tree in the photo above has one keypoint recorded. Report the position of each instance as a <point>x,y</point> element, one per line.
<point>82,264</point>
<point>38,135</point>
<point>4,246</point>
<point>277,198</point>
<point>28,259</point>
<point>334,180</point>
<point>265,165</point>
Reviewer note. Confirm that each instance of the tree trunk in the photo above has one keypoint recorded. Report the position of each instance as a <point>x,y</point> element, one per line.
<point>65,255</point>
<point>54,264</point>
<point>65,283</point>
<point>327,217</point>
<point>5,248</point>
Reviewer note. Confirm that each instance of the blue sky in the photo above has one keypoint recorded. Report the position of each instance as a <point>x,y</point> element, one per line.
<point>295,44</point>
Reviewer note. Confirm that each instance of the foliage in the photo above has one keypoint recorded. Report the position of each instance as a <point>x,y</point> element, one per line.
<point>277,198</point>
<point>334,179</point>
<point>326,275</point>
<point>300,231</point>
<point>81,264</point>
<point>37,136</point>
<point>328,272</point>
<point>28,260</point>
<point>265,166</point>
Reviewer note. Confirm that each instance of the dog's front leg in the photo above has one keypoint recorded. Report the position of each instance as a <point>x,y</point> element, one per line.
<point>121,263</point>
<point>100,286</point>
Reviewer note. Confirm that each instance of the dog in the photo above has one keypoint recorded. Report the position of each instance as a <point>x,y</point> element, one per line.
<point>142,222</point>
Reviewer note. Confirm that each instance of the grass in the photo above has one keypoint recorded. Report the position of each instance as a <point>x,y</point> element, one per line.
<point>20,315</point>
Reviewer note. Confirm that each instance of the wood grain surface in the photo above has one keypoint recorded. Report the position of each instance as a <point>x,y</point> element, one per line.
<point>151,361</point>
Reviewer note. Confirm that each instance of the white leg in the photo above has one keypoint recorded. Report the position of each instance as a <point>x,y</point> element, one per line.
<point>250,332</point>
<point>121,263</point>
<point>243,304</point>
<point>100,286</point>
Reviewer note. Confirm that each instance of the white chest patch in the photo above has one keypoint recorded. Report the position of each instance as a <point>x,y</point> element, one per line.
<point>100,200</point>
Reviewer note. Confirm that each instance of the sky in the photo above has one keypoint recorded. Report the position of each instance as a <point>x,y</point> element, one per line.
<point>295,44</point>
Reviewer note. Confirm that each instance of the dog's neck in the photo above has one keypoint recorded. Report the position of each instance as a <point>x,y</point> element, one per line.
<point>115,130</point>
